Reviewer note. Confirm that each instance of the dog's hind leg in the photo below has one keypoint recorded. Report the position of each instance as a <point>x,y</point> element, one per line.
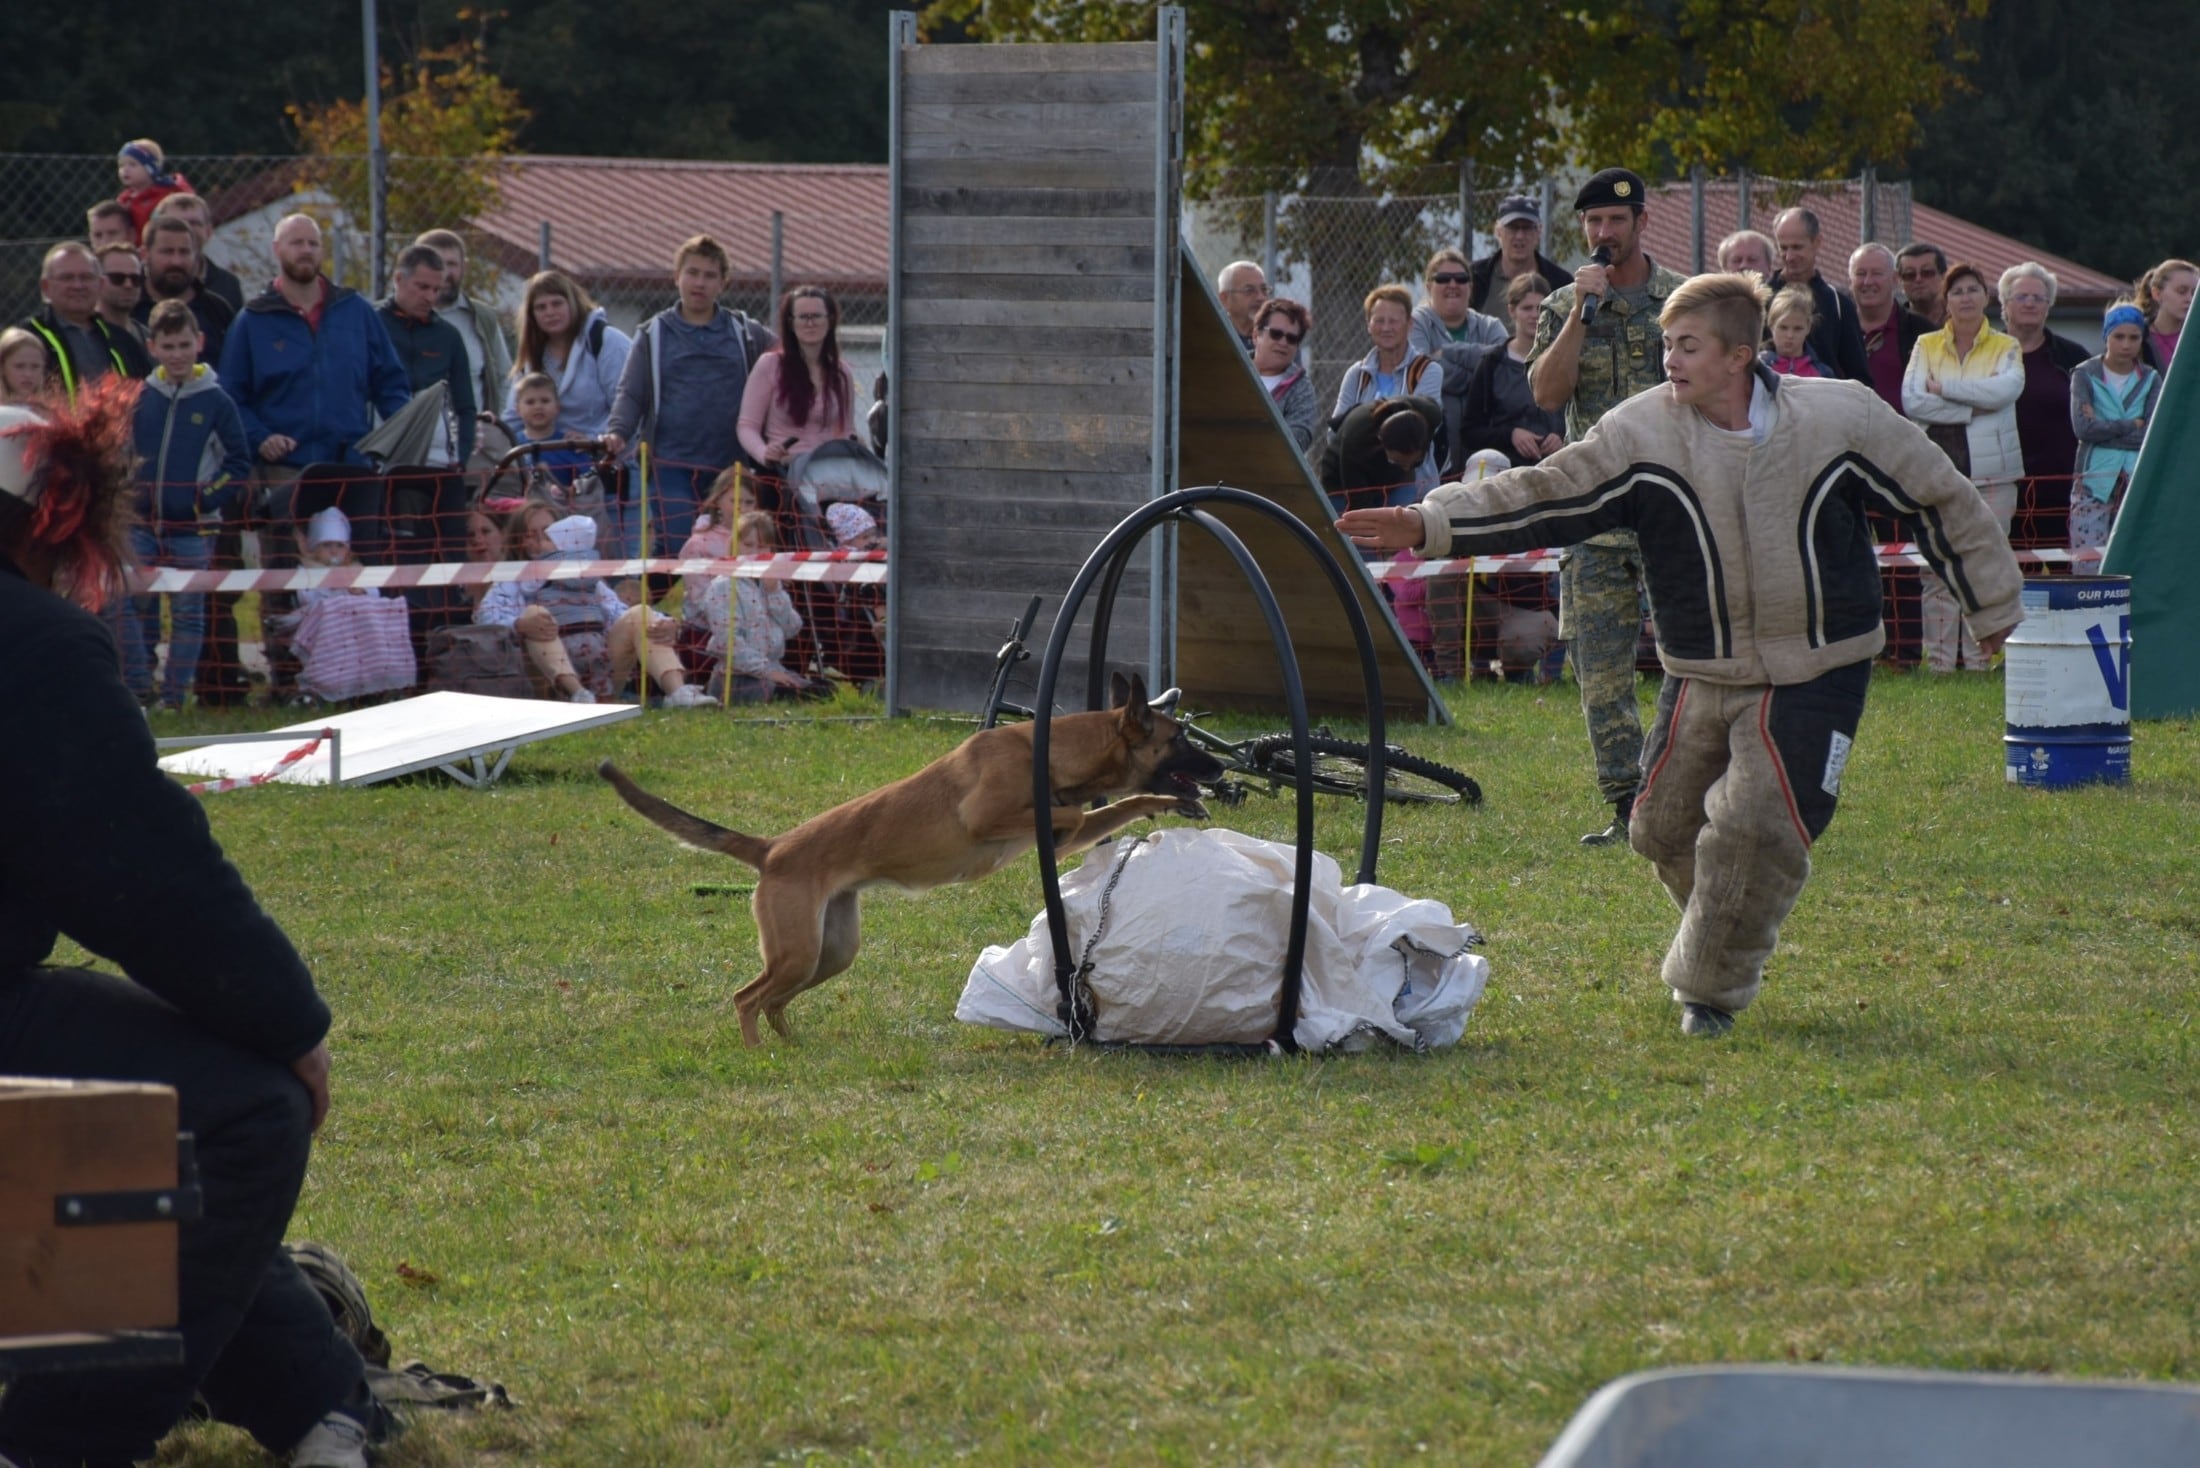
<point>789,921</point>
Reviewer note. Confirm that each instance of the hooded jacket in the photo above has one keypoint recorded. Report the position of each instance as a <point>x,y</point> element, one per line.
<point>105,848</point>
<point>314,386</point>
<point>1758,559</point>
<point>192,459</point>
<point>587,383</point>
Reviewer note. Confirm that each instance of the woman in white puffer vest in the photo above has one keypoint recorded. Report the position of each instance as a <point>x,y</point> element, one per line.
<point>1962,386</point>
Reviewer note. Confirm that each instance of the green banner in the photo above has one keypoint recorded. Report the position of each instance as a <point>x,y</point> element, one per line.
<point>2156,543</point>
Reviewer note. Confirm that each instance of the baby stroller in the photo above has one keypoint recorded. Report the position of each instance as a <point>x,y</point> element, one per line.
<point>522,473</point>
<point>842,626</point>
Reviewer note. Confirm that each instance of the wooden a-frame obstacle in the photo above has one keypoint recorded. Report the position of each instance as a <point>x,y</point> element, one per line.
<point>1056,359</point>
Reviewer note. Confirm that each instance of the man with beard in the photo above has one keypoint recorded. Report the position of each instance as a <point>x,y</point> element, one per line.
<point>488,353</point>
<point>1597,344</point>
<point>306,361</point>
<point>172,274</point>
<point>214,280</point>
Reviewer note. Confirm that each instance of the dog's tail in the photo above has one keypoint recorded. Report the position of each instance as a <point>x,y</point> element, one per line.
<point>692,830</point>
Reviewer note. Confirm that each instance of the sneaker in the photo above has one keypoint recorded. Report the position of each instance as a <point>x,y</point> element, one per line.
<point>338,1440</point>
<point>582,694</point>
<point>687,696</point>
<point>1703,1021</point>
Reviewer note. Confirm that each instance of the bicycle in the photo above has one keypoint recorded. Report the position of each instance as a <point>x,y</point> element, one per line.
<point>1265,764</point>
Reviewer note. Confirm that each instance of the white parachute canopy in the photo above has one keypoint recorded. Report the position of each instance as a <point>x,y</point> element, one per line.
<point>1192,926</point>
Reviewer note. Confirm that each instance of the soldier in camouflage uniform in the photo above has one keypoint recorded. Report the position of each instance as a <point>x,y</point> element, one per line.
<point>1589,369</point>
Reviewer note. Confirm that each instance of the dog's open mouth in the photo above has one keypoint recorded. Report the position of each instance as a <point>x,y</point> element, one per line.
<point>1182,783</point>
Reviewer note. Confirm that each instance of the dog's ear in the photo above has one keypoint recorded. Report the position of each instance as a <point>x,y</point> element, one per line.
<point>1129,695</point>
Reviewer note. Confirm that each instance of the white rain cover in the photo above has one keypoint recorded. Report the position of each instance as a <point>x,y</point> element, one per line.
<point>1192,952</point>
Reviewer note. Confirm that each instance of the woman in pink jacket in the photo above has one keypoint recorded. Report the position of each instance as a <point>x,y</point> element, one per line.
<point>786,410</point>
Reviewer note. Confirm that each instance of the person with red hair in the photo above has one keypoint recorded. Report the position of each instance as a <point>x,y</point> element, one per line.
<point>212,999</point>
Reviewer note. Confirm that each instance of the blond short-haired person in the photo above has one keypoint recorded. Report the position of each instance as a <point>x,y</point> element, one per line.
<point>1747,492</point>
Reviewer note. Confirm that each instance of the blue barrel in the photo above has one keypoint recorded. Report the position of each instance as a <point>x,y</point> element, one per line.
<point>2069,683</point>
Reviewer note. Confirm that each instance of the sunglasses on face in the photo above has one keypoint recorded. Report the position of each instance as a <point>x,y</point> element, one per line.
<point>1276,334</point>
<point>1450,277</point>
<point>124,277</point>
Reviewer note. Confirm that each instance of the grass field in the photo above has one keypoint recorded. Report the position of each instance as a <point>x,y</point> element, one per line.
<point>1956,1131</point>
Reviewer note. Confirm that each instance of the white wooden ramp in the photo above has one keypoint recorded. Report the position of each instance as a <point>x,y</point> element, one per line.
<point>468,736</point>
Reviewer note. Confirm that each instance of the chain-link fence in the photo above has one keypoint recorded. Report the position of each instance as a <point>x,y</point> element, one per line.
<point>1326,239</point>
<point>611,224</point>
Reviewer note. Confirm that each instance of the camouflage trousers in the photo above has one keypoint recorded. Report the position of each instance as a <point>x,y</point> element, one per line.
<point>1600,616</point>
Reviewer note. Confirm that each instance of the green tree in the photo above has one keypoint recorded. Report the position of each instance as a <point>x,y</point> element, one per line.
<point>2080,131</point>
<point>445,117</point>
<point>1380,87</point>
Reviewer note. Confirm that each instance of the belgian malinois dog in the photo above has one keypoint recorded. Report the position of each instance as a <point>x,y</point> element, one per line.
<point>964,816</point>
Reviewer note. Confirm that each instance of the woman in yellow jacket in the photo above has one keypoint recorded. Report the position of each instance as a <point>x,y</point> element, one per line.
<point>1962,385</point>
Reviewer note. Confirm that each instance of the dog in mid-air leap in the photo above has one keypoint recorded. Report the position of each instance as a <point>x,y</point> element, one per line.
<point>964,816</point>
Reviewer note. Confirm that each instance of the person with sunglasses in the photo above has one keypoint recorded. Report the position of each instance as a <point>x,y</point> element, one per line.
<point>81,345</point>
<point>1277,333</point>
<point>121,287</point>
<point>1444,319</point>
<point>1922,269</point>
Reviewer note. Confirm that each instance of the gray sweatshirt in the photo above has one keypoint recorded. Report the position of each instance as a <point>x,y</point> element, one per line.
<point>693,418</point>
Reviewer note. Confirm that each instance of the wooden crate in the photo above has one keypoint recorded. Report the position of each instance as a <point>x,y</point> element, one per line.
<point>60,1138</point>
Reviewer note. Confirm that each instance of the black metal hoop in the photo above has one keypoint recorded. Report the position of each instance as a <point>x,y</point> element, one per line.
<point>1108,561</point>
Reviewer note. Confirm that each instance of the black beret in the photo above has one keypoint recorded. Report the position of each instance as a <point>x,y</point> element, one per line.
<point>1612,186</point>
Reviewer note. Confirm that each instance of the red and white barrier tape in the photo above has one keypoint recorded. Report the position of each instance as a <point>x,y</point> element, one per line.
<point>865,568</point>
<point>240,782</point>
<point>1898,554</point>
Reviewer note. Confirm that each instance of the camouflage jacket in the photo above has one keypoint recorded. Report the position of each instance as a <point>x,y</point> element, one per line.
<point>1622,352</point>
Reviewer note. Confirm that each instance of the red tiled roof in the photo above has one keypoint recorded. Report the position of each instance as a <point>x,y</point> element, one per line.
<point>1840,231</point>
<point>617,219</point>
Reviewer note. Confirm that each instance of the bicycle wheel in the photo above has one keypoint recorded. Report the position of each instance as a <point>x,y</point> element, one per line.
<point>1340,768</point>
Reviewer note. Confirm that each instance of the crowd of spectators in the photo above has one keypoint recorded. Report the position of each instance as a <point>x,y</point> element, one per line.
<point>635,430</point>
<point>2046,429</point>
<point>307,407</point>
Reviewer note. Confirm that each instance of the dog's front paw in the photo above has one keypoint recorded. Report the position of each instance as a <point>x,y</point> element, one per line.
<point>1194,807</point>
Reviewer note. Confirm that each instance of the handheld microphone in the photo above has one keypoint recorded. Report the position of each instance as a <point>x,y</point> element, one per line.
<point>1589,304</point>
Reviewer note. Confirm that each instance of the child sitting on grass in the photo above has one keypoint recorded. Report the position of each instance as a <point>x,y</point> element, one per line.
<point>351,641</point>
<point>763,618</point>
<point>581,640</point>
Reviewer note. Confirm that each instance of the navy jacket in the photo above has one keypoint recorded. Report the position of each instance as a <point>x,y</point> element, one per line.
<point>103,847</point>
<point>191,453</point>
<point>433,351</point>
<point>313,386</point>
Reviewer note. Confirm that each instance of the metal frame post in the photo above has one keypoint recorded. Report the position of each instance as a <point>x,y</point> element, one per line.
<point>901,36</point>
<point>1169,40</point>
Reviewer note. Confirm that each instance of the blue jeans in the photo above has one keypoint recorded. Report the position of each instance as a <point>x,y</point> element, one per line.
<point>675,493</point>
<point>166,543</point>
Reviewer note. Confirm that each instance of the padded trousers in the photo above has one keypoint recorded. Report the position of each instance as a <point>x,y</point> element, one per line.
<point>257,1338</point>
<point>1738,782</point>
